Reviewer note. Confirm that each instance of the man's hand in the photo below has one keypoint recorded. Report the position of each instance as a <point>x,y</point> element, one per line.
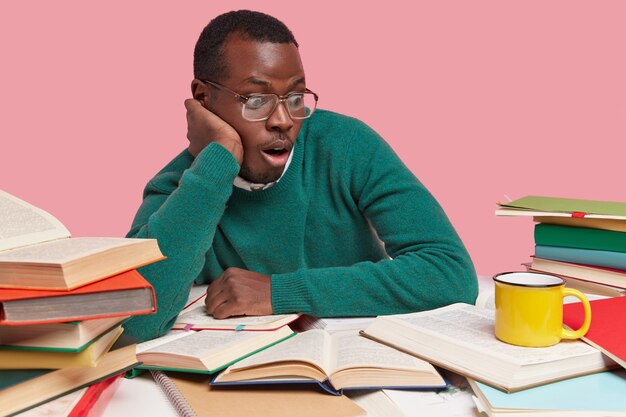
<point>238,292</point>
<point>204,127</point>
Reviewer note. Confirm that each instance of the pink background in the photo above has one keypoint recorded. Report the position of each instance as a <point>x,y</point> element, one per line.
<point>479,98</point>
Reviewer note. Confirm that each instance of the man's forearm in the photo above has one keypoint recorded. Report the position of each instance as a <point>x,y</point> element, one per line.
<point>184,222</point>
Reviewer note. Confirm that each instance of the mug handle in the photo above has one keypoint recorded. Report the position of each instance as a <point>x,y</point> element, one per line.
<point>575,334</point>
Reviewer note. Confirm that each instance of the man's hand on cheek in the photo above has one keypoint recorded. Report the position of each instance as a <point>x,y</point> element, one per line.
<point>238,292</point>
<point>204,127</point>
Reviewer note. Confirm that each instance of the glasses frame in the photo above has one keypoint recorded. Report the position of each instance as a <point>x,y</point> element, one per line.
<point>281,99</point>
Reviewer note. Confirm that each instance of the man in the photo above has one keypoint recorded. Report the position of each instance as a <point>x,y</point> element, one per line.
<point>282,207</point>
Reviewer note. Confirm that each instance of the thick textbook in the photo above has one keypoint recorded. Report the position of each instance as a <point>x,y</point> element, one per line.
<point>192,396</point>
<point>36,251</point>
<point>205,351</point>
<point>601,275</point>
<point>460,337</point>
<point>121,295</point>
<point>335,361</point>
<point>24,389</point>
<point>607,327</point>
<point>600,394</point>
<point>64,337</point>
<point>563,207</point>
<point>20,358</point>
<point>195,317</point>
<point>580,237</point>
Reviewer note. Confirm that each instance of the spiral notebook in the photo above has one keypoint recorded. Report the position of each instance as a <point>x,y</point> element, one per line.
<point>191,396</point>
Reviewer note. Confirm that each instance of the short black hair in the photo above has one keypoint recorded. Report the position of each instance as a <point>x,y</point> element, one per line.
<point>208,55</point>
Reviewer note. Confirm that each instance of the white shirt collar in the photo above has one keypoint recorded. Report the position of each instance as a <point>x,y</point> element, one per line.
<point>252,186</point>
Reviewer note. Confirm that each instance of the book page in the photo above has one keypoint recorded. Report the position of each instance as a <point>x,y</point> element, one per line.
<point>24,224</point>
<point>472,327</point>
<point>308,346</point>
<point>63,250</point>
<point>196,314</point>
<point>202,343</point>
<point>349,350</point>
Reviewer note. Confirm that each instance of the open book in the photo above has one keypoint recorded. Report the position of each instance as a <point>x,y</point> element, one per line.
<point>205,351</point>
<point>336,361</point>
<point>195,317</point>
<point>460,337</point>
<point>36,251</point>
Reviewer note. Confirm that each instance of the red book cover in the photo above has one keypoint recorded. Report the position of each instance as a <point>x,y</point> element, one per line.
<point>130,280</point>
<point>608,321</point>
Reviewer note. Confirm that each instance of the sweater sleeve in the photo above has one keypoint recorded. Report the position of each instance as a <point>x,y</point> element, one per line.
<point>428,266</point>
<point>182,213</point>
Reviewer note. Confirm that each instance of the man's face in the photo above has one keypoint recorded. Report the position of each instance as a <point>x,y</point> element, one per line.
<point>260,67</point>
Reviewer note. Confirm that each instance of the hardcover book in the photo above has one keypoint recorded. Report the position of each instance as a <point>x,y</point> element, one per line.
<point>65,337</point>
<point>20,358</point>
<point>23,389</point>
<point>121,295</point>
<point>460,337</point>
<point>205,351</point>
<point>335,361</point>
<point>36,251</point>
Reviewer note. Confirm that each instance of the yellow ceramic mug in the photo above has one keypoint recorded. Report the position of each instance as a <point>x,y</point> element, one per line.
<point>529,309</point>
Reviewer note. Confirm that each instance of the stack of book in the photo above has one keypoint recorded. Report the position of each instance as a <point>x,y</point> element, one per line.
<point>63,302</point>
<point>583,241</point>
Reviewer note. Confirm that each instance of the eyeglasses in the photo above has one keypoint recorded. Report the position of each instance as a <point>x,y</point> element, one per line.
<point>259,107</point>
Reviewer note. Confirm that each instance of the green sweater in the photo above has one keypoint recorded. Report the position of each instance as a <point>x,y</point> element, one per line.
<point>317,232</point>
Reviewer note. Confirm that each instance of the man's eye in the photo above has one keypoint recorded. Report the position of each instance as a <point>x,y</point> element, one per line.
<point>296,100</point>
<point>256,102</point>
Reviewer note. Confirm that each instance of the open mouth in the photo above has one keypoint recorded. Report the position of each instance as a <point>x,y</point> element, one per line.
<point>276,151</point>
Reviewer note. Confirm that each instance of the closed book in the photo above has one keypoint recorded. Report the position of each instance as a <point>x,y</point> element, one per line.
<point>335,361</point>
<point>600,394</point>
<point>19,358</point>
<point>563,207</point>
<point>121,295</point>
<point>36,251</point>
<point>604,224</point>
<point>598,274</point>
<point>205,351</point>
<point>24,389</point>
<point>580,237</point>
<point>73,336</point>
<point>607,325</point>
<point>608,259</point>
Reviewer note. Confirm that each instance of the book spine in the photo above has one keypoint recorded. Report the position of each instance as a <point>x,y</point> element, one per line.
<point>580,237</point>
<point>173,395</point>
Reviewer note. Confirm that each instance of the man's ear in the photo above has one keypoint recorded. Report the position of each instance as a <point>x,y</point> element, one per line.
<point>200,91</point>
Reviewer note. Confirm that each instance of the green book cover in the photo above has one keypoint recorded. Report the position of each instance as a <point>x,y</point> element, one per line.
<point>568,205</point>
<point>580,237</point>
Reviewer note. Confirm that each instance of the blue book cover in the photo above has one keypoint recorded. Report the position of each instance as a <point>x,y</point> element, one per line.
<point>594,257</point>
<point>601,392</point>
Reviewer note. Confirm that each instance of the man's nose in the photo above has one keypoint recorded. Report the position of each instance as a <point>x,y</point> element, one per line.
<point>280,119</point>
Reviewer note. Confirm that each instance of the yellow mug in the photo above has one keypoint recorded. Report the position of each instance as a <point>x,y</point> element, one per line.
<point>529,309</point>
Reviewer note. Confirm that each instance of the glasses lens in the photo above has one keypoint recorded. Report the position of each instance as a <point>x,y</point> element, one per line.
<point>301,105</point>
<point>259,106</point>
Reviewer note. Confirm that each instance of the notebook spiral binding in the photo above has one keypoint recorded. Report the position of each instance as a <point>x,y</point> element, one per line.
<point>173,395</point>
